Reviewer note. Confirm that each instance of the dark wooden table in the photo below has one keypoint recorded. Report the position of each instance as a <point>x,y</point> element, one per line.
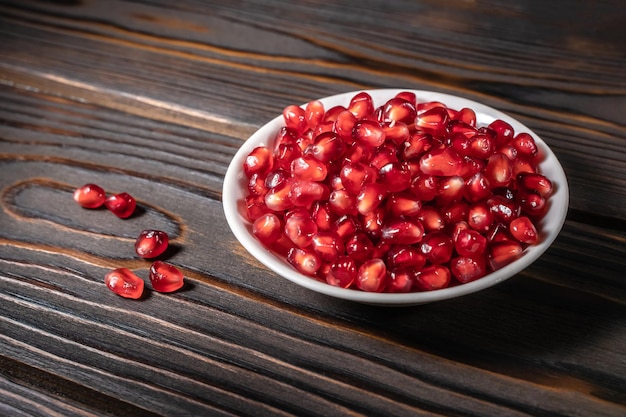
<point>155,97</point>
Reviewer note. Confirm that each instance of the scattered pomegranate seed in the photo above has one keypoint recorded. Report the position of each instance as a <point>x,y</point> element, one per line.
<point>90,196</point>
<point>122,205</point>
<point>402,197</point>
<point>124,282</point>
<point>165,277</point>
<point>151,243</point>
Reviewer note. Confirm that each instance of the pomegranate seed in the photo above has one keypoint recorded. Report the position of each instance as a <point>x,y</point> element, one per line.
<point>300,229</point>
<point>408,96</point>
<point>397,132</point>
<point>532,203</point>
<point>417,145</point>
<point>277,198</point>
<point>295,118</point>
<point>525,145</point>
<point>424,187</point>
<point>328,245</point>
<point>503,209</point>
<point>370,197</point>
<point>404,256</point>
<point>450,190</point>
<point>535,182</point>
<point>254,207</point>
<point>359,247</point>
<point>437,247</point>
<point>327,147</point>
<point>431,219</point>
<point>373,221</point>
<point>470,243</point>
<point>477,188</point>
<point>403,204</point>
<point>504,132</point>
<point>433,277</point>
<point>503,253</point>
<point>482,146</point>
<point>355,175</point>
<point>383,155</point>
<point>524,230</point>
<point>480,217</point>
<point>395,176</point>
<point>442,162</point>
<point>466,115</point>
<point>309,168</point>
<point>498,170</point>
<point>369,133</point>
<point>323,215</point>
<point>344,125</point>
<point>256,185</point>
<point>372,276</point>
<point>456,212</point>
<point>314,113</point>
<point>432,121</point>
<point>346,225</point>
<point>400,280</point>
<point>456,127</point>
<point>165,277</point>
<point>123,282</point>
<point>467,269</point>
<point>267,228</point>
<point>460,143</point>
<point>402,232</point>
<point>342,272</point>
<point>399,110</point>
<point>151,243</point>
<point>122,205</point>
<point>361,105</point>
<point>342,202</point>
<point>275,178</point>
<point>260,160</point>
<point>90,196</point>
<point>305,193</point>
<point>304,260</point>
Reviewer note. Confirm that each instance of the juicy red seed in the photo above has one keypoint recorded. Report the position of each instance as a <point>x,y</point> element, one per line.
<point>123,282</point>
<point>165,277</point>
<point>342,272</point>
<point>466,269</point>
<point>399,110</point>
<point>90,196</point>
<point>470,243</point>
<point>450,189</point>
<point>314,113</point>
<point>402,232</point>
<point>344,125</point>
<point>300,230</point>
<point>408,96</point>
<point>305,193</point>
<point>395,176</point>
<point>122,205</point>
<point>432,121</point>
<point>403,204</point>
<point>532,203</point>
<point>424,187</point>
<point>418,144</point>
<point>433,277</point>
<point>503,253</point>
<point>308,168</point>
<point>466,115</point>
<point>482,146</point>
<point>277,198</point>
<point>525,145</point>
<point>355,175</point>
<point>327,147</point>
<point>328,245</point>
<point>372,276</point>
<point>521,165</point>
<point>342,202</point>
<point>403,256</point>
<point>359,247</point>
<point>260,160</point>
<point>361,105</point>
<point>254,207</point>
<point>151,243</point>
<point>369,133</point>
<point>383,155</point>
<point>400,280</point>
<point>256,185</point>
<point>267,228</point>
<point>498,170</point>
<point>504,132</point>
<point>397,132</point>
<point>304,260</point>
<point>456,212</point>
<point>503,209</point>
<point>323,216</point>
<point>535,182</point>
<point>456,127</point>
<point>442,162</point>
<point>480,217</point>
<point>524,230</point>
<point>431,219</point>
<point>460,143</point>
<point>477,188</point>
<point>346,225</point>
<point>295,118</point>
<point>370,197</point>
<point>437,247</point>
<point>372,222</point>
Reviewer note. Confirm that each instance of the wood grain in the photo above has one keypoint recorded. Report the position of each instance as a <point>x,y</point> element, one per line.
<point>154,98</point>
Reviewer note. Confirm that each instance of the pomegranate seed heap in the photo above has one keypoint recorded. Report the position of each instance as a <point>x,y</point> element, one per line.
<point>403,197</point>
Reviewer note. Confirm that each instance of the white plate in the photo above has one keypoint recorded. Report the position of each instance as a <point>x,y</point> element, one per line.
<point>235,190</point>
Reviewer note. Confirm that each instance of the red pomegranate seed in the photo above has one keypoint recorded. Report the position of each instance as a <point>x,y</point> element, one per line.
<point>535,182</point>
<point>123,282</point>
<point>277,198</point>
<point>122,205</point>
<point>480,217</point>
<point>504,132</point>
<point>418,144</point>
<point>466,115</point>
<point>396,132</point>
<point>403,204</point>
<point>305,193</point>
<point>260,160</point>
<point>525,145</point>
<point>267,228</point>
<point>308,168</point>
<point>503,253</point>
<point>254,207</point>
<point>432,121</point>
<point>431,219</point>
<point>524,230</point>
<point>372,276</point>
<point>467,269</point>
<point>323,215</point>
<point>400,280</point>
<point>402,232</point>
<point>370,197</point>
<point>314,113</point>
<point>342,202</point>
<point>151,243</point>
<point>450,189</point>
<point>346,225</point>
<point>342,272</point>
<point>355,175</point>
<point>359,247</point>
<point>399,110</point>
<point>369,133</point>
<point>327,147</point>
<point>477,188</point>
<point>470,243</point>
<point>300,229</point>
<point>90,196</point>
<point>433,277</point>
<point>482,146</point>
<point>408,96</point>
<point>344,125</point>
<point>405,256</point>
<point>424,187</point>
<point>437,247</point>
<point>532,203</point>
<point>295,118</point>
<point>456,127</point>
<point>383,155</point>
<point>498,170</point>
<point>256,185</point>
<point>442,162</point>
<point>460,143</point>
<point>165,277</point>
<point>328,245</point>
<point>503,209</point>
<point>455,212</point>
<point>361,105</point>
<point>395,176</point>
<point>304,260</point>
